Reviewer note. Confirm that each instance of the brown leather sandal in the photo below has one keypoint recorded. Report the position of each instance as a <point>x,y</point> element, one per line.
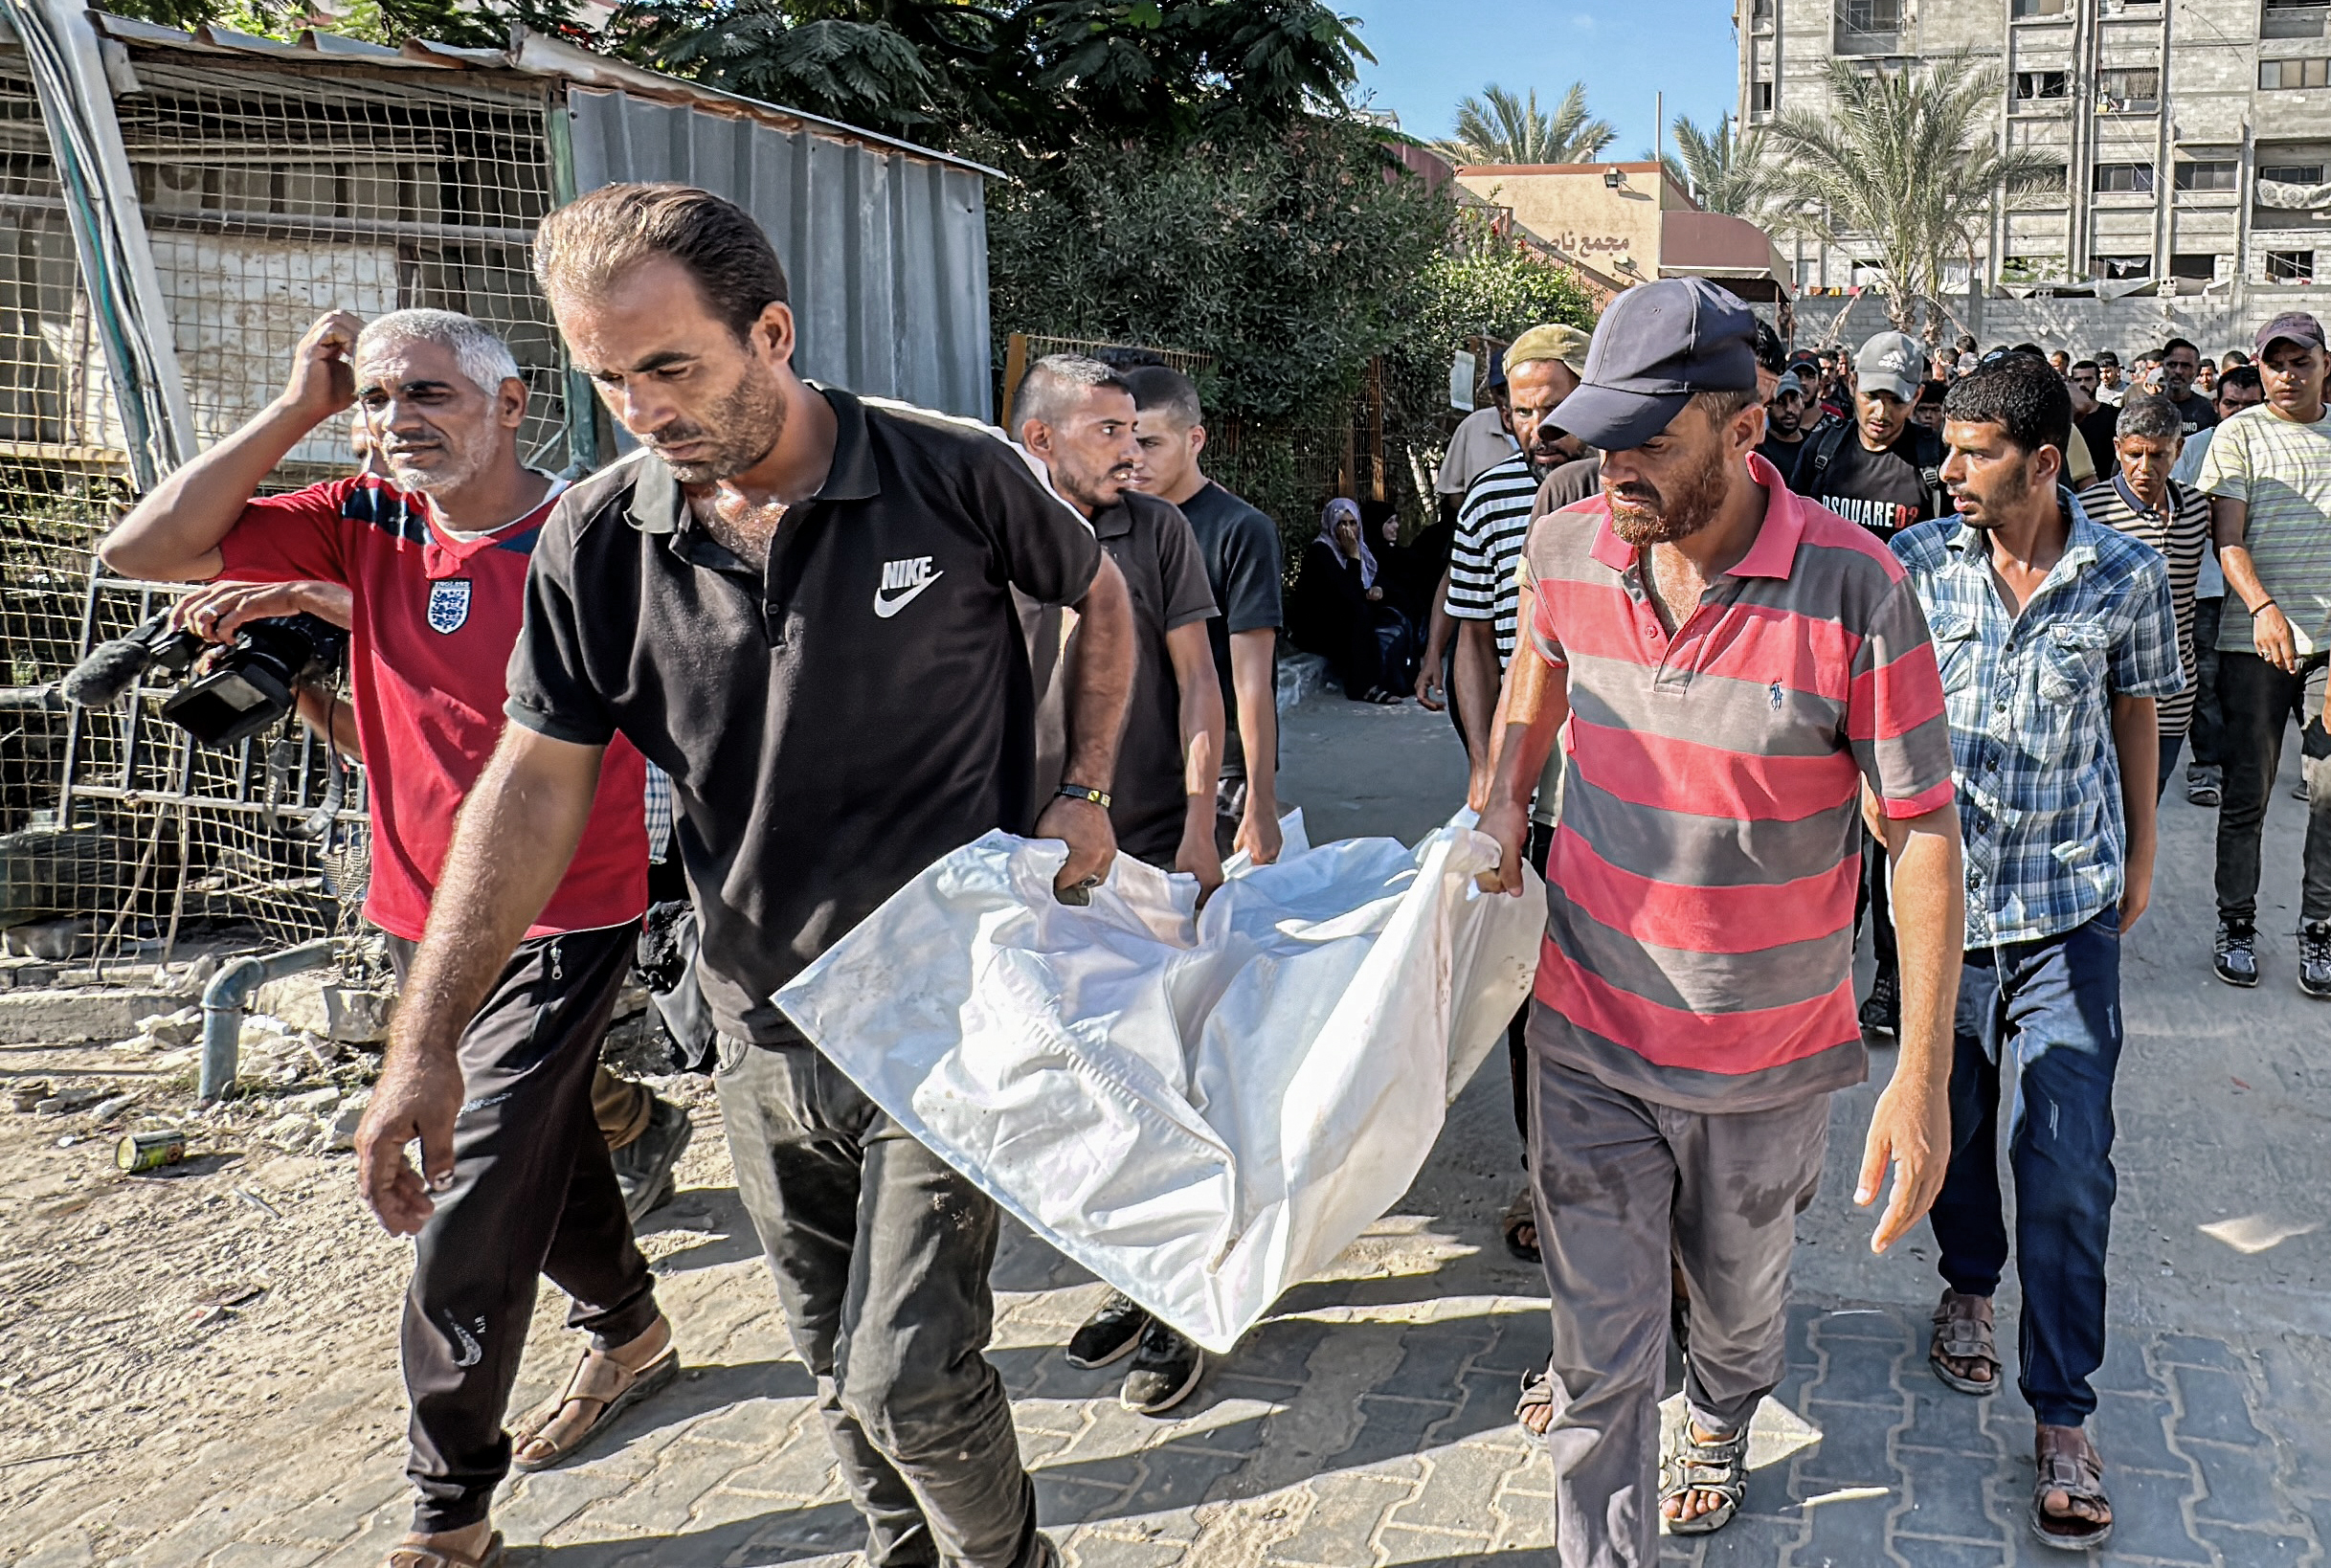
<point>1963,1332</point>
<point>410,1555</point>
<point>2069,1463</point>
<point>598,1380</point>
<point>1534,1411</point>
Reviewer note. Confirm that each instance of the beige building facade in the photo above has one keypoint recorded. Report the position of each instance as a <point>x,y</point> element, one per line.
<point>1629,222</point>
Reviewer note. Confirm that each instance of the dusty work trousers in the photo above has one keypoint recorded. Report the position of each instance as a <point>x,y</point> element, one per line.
<point>1617,1177</point>
<point>881,1252</point>
<point>534,1193</point>
<point>2258,701</point>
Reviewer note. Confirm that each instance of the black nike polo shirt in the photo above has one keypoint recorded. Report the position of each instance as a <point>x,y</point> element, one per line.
<point>832,726</point>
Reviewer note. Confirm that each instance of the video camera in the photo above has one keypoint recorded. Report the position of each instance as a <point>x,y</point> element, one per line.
<point>252,682</point>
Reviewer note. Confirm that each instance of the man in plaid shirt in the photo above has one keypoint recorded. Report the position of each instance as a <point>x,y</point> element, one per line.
<point>2054,634</point>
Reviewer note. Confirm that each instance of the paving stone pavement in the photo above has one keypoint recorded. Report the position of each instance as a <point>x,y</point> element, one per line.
<point>1369,1421</point>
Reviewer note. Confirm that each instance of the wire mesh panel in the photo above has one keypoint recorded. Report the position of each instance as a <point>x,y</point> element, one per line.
<point>273,191</point>
<point>64,469</point>
<point>276,192</point>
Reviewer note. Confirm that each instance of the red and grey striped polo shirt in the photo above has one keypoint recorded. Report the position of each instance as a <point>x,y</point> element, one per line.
<point>1700,934</point>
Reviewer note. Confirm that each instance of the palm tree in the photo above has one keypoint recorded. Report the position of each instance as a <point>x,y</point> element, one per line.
<point>1905,166</point>
<point>1498,127</point>
<point>1724,172</point>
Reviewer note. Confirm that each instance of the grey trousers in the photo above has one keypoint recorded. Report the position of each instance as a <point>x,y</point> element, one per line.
<point>1615,1177</point>
<point>881,1253</point>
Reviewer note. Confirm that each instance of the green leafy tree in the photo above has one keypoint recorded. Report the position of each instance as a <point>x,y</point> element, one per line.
<point>1500,128</point>
<point>1725,171</point>
<point>1041,73</point>
<point>1906,168</point>
<point>1481,283</point>
<point>389,22</point>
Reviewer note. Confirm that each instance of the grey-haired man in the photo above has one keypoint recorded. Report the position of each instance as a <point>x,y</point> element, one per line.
<point>434,556</point>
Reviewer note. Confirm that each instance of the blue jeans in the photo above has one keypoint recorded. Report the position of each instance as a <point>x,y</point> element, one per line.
<point>2046,1012</point>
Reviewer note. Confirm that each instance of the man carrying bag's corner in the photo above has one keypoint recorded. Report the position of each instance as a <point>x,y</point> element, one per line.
<point>1741,663</point>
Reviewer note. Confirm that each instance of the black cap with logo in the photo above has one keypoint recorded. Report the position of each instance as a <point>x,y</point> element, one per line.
<point>1655,347</point>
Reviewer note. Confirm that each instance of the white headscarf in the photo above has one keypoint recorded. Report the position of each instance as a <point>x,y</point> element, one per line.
<point>1341,508</point>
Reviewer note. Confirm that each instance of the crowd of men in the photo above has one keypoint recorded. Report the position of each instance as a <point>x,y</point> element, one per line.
<point>1748,652</point>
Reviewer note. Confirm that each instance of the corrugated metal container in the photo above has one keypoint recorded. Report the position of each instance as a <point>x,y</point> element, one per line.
<point>887,253</point>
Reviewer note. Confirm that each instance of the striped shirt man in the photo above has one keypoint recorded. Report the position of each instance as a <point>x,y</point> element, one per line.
<point>1493,524</point>
<point>2281,470</point>
<point>1699,940</point>
<point>2179,531</point>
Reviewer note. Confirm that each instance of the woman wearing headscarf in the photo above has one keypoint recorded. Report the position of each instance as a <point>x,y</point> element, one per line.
<point>1340,612</point>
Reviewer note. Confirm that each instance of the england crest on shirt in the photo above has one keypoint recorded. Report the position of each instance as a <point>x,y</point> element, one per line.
<point>448,604</point>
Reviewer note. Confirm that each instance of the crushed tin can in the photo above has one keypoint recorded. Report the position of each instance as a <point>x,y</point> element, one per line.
<point>148,1151</point>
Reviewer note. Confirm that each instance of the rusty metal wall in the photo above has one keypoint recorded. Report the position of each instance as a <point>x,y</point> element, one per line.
<point>886,254</point>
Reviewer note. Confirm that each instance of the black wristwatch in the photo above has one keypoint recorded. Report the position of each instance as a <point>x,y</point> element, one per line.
<point>1078,791</point>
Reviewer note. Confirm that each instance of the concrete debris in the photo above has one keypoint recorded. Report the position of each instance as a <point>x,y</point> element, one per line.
<point>296,1002</point>
<point>341,1137</point>
<point>27,974</point>
<point>313,1100</point>
<point>136,1046</point>
<point>183,1027</point>
<point>290,1130</point>
<point>105,1110</point>
<point>67,1100</point>
<point>53,940</point>
<point>357,1017</point>
<point>25,1096</point>
<point>68,1017</point>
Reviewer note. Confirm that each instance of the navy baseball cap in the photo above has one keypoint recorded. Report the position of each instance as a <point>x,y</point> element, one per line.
<point>1656,345</point>
<point>1496,376</point>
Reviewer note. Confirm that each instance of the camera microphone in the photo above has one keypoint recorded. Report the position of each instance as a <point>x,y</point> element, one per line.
<point>111,669</point>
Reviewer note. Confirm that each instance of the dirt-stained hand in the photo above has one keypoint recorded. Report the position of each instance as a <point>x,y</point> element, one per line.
<point>1509,826</point>
<point>1092,845</point>
<point>1199,856</point>
<point>1910,1129</point>
<point>1258,834</point>
<point>418,1096</point>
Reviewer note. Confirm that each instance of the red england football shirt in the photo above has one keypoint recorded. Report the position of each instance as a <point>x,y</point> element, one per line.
<point>436,621</point>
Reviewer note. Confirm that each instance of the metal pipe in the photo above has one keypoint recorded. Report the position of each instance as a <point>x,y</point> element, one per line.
<point>228,994</point>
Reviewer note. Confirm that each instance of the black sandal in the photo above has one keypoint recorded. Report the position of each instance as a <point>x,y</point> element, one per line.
<point>1694,1466</point>
<point>1381,697</point>
<point>2069,1464</point>
<point>1964,1332</point>
<point>1519,1213</point>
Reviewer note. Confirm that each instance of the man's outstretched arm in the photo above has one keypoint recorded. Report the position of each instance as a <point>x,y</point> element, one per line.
<point>1531,708</point>
<point>1100,683</point>
<point>517,831</point>
<point>1911,1125</point>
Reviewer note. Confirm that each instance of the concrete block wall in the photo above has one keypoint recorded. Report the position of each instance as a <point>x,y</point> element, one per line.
<point>2212,110</point>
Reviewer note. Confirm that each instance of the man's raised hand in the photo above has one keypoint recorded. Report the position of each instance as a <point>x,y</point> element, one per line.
<point>323,371</point>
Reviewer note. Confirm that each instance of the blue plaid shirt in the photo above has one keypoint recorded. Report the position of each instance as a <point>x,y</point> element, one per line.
<point>2029,698</point>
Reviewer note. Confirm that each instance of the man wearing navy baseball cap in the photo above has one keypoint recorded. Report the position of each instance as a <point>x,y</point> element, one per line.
<point>1739,666</point>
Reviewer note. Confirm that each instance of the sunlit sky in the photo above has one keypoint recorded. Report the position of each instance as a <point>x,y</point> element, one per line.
<point>1431,53</point>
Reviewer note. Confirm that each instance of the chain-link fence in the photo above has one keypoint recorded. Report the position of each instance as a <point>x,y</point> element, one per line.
<point>272,193</point>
